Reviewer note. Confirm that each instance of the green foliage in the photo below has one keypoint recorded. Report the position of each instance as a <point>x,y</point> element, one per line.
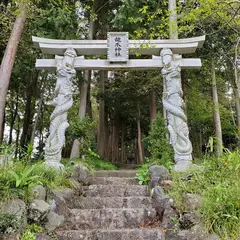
<point>29,234</point>
<point>17,180</point>
<point>6,149</point>
<point>145,19</point>
<point>143,174</point>
<point>158,146</point>
<point>95,162</point>
<point>8,222</point>
<point>92,162</point>
<point>82,128</point>
<point>25,178</point>
<point>217,181</point>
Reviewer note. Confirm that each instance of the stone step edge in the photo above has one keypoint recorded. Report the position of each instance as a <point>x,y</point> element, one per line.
<point>127,197</point>
<point>112,178</point>
<point>122,185</point>
<point>93,176</point>
<point>113,230</point>
<point>73,210</point>
<point>140,233</point>
<point>159,231</point>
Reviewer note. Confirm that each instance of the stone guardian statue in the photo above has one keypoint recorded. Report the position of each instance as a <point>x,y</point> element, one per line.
<point>174,105</point>
<point>62,102</point>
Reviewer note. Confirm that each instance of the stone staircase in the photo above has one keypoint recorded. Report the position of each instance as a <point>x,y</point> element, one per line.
<point>114,207</point>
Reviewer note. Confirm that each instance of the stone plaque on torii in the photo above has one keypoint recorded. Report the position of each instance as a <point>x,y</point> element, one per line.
<point>166,54</point>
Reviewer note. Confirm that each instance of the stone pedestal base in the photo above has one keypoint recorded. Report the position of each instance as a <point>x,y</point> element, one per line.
<point>54,164</point>
<point>182,166</point>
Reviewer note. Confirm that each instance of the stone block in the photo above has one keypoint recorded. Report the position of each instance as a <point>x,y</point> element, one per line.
<point>110,218</point>
<point>38,210</point>
<point>113,181</point>
<point>39,192</point>
<point>59,204</point>
<point>106,234</point>
<point>116,191</point>
<point>53,221</point>
<point>157,173</point>
<point>17,208</point>
<point>188,220</point>
<point>191,202</point>
<point>81,173</point>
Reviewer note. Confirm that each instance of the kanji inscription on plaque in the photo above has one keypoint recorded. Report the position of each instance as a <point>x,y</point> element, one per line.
<point>118,46</point>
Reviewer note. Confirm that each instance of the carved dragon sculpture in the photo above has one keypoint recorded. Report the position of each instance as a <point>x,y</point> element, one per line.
<point>63,102</point>
<point>173,103</point>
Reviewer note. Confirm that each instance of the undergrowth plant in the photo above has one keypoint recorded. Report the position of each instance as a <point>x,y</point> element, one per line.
<point>8,223</point>
<point>29,234</point>
<point>159,148</point>
<point>143,174</point>
<point>218,182</point>
<point>17,180</point>
<point>92,161</point>
<point>95,162</point>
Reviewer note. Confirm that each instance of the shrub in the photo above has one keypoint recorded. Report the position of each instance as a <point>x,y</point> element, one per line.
<point>143,174</point>
<point>158,146</point>
<point>82,128</point>
<point>218,183</point>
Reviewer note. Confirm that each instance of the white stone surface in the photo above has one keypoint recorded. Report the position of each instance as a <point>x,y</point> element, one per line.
<point>63,102</point>
<point>175,106</point>
<point>100,47</point>
<point>117,47</point>
<point>140,64</point>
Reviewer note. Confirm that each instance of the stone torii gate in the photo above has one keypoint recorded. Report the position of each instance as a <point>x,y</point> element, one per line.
<point>69,57</point>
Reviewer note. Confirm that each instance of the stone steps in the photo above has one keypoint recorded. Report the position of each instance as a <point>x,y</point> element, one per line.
<point>110,218</point>
<point>122,234</point>
<point>116,191</point>
<point>116,173</point>
<point>113,181</point>
<point>114,202</point>
<point>113,207</point>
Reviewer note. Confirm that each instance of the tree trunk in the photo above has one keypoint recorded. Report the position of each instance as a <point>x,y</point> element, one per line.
<point>123,153</point>
<point>115,139</point>
<point>29,111</point>
<point>237,106</point>
<point>153,106</point>
<point>14,116</point>
<point>173,26</point>
<point>37,116</point>
<point>8,61</point>
<point>139,139</point>
<point>217,120</point>
<point>101,121</point>
<point>17,137</point>
<point>107,135</point>
<point>109,152</point>
<point>75,152</point>
<point>89,102</point>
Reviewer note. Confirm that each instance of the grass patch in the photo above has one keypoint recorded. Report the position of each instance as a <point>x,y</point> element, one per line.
<point>16,181</point>
<point>218,182</point>
<point>92,162</point>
